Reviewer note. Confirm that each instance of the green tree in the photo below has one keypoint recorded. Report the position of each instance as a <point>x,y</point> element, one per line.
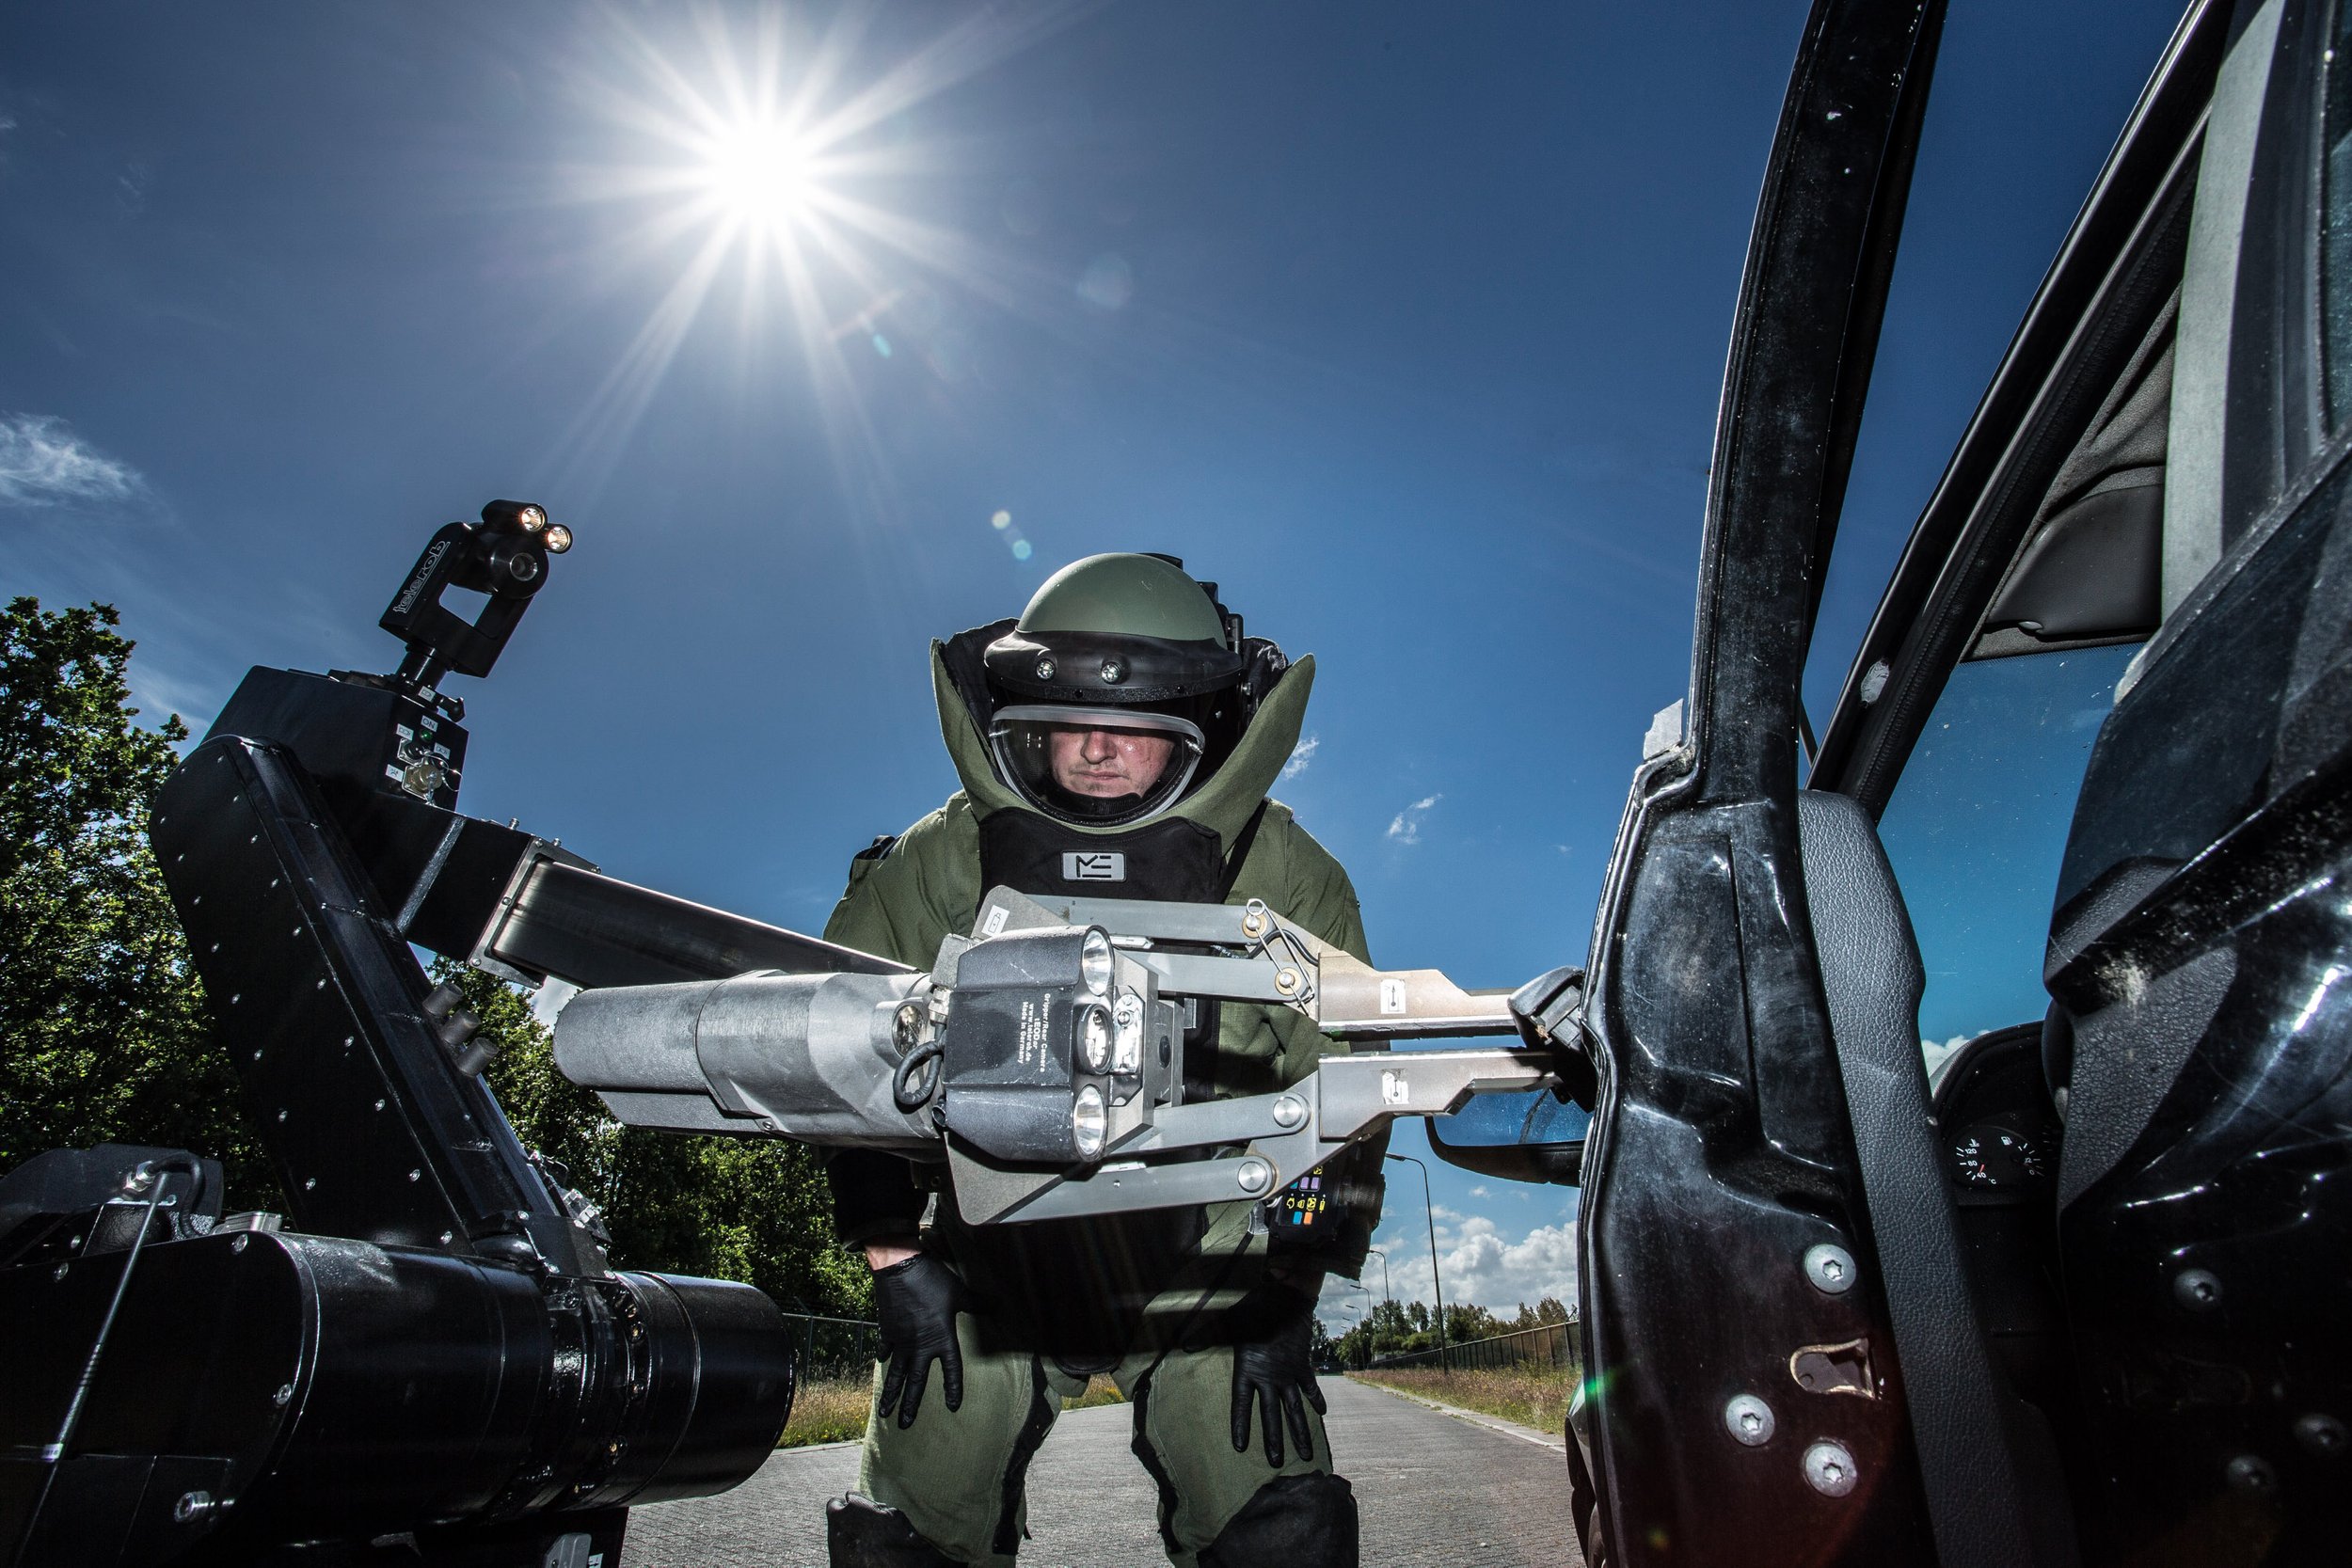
<point>753,1209</point>
<point>103,1030</point>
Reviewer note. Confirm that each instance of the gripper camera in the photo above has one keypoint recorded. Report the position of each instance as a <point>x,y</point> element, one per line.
<point>428,1357</point>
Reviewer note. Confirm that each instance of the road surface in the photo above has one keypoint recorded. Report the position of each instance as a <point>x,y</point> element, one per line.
<point>1432,1489</point>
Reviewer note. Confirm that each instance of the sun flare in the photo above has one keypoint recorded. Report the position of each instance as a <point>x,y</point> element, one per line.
<point>764,175</point>
<point>741,156</point>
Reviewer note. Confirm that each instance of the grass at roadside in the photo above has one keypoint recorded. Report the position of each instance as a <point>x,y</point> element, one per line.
<point>1532,1396</point>
<point>831,1411</point>
<point>834,1411</point>
<point>1099,1391</point>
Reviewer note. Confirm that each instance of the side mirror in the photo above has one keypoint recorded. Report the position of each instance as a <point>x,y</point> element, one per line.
<point>1520,1137</point>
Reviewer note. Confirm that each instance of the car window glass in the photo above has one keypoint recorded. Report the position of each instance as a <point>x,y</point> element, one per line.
<point>1976,826</point>
<point>2335,304</point>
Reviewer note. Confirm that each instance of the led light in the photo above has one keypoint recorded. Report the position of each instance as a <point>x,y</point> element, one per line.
<point>1094,1038</point>
<point>559,539</point>
<point>1127,1032</point>
<point>533,518</point>
<point>1088,1123</point>
<point>1094,960</point>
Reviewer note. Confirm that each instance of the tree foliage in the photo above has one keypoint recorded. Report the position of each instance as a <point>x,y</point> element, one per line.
<point>756,1210</point>
<point>101,1012</point>
<point>1404,1328</point>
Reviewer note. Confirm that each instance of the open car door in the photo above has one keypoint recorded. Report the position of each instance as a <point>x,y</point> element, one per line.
<point>1779,1366</point>
<point>2081,1296</point>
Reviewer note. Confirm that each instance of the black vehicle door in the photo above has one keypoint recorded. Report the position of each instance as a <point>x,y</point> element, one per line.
<point>1752,1370</point>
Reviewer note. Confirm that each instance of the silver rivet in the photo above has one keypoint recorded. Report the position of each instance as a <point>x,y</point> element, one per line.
<point>234,997</point>
<point>445,1237</point>
<point>281,1115</point>
<point>2250,1472</point>
<point>284,1396</point>
<point>1830,1268</point>
<point>416,1176</point>
<point>1286,981</point>
<point>238,1246</point>
<point>2322,1434</point>
<point>1749,1419</point>
<point>1829,1469</point>
<point>379,1104</point>
<point>310,1183</point>
<point>1253,1174</point>
<point>191,1507</point>
<point>2199,1290</point>
<point>1289,1111</point>
<point>58,1272</point>
<point>1114,672</point>
<point>1045,668</point>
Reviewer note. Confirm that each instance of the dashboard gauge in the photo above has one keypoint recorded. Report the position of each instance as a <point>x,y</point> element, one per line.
<point>1992,1155</point>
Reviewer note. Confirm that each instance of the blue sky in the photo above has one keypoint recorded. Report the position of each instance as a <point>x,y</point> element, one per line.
<point>1404,323</point>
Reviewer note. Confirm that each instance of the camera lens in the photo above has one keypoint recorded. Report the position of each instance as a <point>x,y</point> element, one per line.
<point>1088,1123</point>
<point>1094,1038</point>
<point>1094,960</point>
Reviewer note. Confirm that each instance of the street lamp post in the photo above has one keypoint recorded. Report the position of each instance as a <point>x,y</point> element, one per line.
<point>1436,1287</point>
<point>1386,1293</point>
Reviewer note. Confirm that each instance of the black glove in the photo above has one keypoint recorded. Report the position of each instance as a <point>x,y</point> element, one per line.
<point>1270,1367</point>
<point>917,1301</point>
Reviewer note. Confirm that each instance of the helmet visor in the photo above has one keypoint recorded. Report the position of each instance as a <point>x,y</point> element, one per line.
<point>1097,766</point>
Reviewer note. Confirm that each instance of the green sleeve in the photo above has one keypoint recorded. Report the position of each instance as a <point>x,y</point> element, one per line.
<point>924,886</point>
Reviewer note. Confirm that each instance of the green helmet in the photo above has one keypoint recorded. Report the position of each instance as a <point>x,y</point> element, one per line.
<point>1137,674</point>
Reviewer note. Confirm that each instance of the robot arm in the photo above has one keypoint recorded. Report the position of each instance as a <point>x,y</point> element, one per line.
<point>1041,1057</point>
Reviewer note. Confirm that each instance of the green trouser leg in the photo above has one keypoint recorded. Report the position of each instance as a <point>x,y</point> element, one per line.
<point>959,1476</point>
<point>1184,1434</point>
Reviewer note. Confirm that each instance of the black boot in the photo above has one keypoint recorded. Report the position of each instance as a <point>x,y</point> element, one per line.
<point>859,1533</point>
<point>1293,1522</point>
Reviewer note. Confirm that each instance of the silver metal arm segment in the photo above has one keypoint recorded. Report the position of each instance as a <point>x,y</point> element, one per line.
<point>1041,1057</point>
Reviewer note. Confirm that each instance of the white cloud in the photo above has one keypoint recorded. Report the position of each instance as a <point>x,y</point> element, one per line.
<point>1499,1274</point>
<point>1406,825</point>
<point>42,463</point>
<point>1481,1263</point>
<point>1301,754</point>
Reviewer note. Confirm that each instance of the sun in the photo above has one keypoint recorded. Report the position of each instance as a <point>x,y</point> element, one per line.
<point>733,148</point>
<point>764,176</point>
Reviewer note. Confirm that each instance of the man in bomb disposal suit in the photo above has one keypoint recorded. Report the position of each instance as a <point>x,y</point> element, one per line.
<point>1116,741</point>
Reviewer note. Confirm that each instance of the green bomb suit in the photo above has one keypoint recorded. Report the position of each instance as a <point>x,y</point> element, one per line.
<point>958,1476</point>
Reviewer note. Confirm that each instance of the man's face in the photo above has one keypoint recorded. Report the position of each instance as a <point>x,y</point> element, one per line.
<point>1106,764</point>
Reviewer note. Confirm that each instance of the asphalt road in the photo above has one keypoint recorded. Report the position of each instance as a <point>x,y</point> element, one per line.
<point>1433,1488</point>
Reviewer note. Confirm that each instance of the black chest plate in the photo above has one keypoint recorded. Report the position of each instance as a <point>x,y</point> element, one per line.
<point>1173,860</point>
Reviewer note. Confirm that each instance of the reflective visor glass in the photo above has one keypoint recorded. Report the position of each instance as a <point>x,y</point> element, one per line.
<point>1101,767</point>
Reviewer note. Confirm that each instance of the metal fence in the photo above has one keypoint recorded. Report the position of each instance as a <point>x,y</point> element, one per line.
<point>1545,1345</point>
<point>834,1348</point>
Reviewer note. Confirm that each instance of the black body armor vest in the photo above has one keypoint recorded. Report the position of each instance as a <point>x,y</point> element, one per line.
<point>1075,1290</point>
